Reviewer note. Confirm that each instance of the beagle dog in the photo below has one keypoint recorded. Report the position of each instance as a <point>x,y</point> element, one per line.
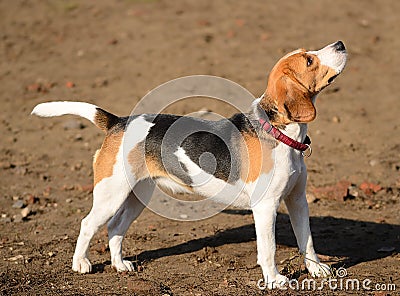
<point>260,159</point>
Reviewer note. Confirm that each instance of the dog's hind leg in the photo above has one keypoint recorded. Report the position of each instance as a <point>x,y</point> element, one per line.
<point>119,224</point>
<point>114,176</point>
<point>108,196</point>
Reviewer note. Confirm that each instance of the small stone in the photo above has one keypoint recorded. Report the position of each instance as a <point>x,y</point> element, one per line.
<point>17,218</point>
<point>338,191</point>
<point>335,119</point>
<point>15,258</point>
<point>68,200</point>
<point>77,167</point>
<point>34,87</point>
<point>100,82</point>
<point>25,212</point>
<point>311,198</point>
<point>6,165</point>
<point>70,84</point>
<point>66,187</point>
<point>85,187</point>
<point>78,137</point>
<point>44,177</point>
<point>364,23</point>
<point>5,219</point>
<point>19,204</point>
<point>46,192</point>
<point>395,167</point>
<point>31,199</point>
<point>353,191</point>
<point>21,170</point>
<point>373,162</point>
<point>370,188</point>
<point>152,228</point>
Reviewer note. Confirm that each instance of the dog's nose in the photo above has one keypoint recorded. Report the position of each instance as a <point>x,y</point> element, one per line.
<point>339,46</point>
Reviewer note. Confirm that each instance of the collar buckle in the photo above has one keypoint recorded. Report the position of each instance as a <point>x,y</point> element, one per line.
<point>307,153</point>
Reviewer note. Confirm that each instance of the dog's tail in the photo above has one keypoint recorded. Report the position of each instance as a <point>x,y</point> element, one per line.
<point>101,118</point>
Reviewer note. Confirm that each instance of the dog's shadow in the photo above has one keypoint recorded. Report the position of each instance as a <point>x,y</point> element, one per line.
<point>348,242</point>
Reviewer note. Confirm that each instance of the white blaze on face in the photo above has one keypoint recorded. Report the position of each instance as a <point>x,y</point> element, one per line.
<point>331,57</point>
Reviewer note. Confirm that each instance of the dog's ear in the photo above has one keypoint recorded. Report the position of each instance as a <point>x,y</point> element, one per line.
<point>293,101</point>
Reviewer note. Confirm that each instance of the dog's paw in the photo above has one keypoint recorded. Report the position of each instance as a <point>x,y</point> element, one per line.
<point>123,265</point>
<point>317,269</point>
<point>82,265</point>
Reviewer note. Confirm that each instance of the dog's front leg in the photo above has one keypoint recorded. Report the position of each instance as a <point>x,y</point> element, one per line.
<point>297,206</point>
<point>264,218</point>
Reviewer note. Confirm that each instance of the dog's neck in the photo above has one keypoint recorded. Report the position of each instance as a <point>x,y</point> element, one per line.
<point>270,111</point>
<point>296,131</point>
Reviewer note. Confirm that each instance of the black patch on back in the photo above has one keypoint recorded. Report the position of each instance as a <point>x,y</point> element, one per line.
<point>197,136</point>
<point>201,142</point>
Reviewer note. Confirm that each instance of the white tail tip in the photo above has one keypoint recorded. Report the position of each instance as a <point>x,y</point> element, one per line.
<point>50,109</point>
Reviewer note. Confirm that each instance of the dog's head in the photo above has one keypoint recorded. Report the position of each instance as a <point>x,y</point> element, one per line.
<point>297,78</point>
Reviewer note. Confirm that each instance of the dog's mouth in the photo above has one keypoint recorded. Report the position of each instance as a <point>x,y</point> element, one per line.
<point>330,80</point>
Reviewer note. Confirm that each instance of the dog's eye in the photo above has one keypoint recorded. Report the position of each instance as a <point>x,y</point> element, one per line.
<point>309,61</point>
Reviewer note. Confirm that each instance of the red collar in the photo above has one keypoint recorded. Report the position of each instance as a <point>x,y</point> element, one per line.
<point>277,134</point>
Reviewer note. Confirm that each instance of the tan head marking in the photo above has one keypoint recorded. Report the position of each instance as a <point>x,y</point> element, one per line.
<point>297,78</point>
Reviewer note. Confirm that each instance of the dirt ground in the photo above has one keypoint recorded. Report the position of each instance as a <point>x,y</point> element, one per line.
<point>112,53</point>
